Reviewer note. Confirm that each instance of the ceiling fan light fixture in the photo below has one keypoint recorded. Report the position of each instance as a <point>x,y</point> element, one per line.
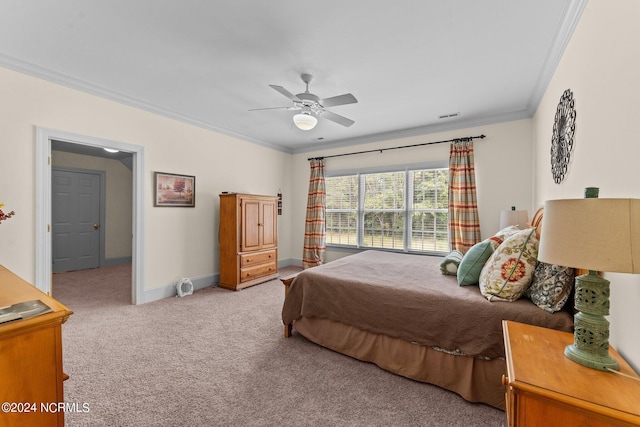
<point>305,121</point>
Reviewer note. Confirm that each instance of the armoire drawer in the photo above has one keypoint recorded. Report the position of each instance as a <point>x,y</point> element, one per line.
<point>255,272</point>
<point>256,258</point>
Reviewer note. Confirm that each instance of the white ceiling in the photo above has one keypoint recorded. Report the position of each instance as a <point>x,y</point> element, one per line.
<point>209,62</point>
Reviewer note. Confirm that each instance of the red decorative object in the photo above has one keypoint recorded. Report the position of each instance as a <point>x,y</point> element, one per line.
<point>5,216</point>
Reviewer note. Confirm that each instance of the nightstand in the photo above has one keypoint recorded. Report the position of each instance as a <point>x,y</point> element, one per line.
<point>543,387</point>
<point>31,358</point>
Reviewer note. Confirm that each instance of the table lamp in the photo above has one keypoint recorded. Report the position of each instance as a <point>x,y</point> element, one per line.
<point>596,235</point>
<point>513,217</point>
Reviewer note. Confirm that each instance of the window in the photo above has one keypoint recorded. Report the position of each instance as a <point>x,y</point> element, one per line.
<point>430,210</point>
<point>342,210</point>
<point>402,210</point>
<point>383,209</point>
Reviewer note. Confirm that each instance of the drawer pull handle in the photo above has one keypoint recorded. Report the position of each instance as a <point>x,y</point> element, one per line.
<point>248,259</point>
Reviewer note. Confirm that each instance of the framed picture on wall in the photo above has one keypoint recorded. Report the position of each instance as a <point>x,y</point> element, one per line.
<point>173,190</point>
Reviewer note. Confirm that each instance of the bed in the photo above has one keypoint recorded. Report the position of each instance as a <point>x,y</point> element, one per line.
<point>401,313</point>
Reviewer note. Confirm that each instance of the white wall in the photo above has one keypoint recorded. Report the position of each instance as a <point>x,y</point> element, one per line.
<point>181,242</point>
<point>601,67</point>
<point>502,162</point>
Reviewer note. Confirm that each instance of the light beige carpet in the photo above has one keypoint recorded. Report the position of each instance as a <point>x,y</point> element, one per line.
<point>218,358</point>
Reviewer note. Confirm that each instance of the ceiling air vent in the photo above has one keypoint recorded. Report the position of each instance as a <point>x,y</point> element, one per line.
<point>448,116</point>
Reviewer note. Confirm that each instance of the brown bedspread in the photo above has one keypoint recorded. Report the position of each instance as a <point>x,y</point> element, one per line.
<point>406,296</point>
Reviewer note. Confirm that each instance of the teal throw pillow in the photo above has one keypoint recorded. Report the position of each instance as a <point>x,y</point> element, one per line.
<point>472,263</point>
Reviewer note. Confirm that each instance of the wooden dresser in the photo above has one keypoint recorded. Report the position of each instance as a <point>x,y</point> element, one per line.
<point>248,237</point>
<point>544,388</point>
<point>31,358</point>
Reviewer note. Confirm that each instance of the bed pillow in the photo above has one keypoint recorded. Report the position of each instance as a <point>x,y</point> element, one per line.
<point>503,234</point>
<point>473,261</point>
<point>449,265</point>
<point>508,272</point>
<point>551,286</point>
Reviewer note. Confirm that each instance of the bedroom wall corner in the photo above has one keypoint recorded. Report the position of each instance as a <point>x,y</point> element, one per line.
<point>599,68</point>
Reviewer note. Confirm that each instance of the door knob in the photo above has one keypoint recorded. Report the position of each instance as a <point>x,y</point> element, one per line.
<point>96,226</point>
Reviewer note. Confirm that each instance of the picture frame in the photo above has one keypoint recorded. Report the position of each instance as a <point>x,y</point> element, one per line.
<point>174,190</point>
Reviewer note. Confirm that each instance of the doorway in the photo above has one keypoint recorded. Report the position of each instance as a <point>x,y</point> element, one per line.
<point>43,249</point>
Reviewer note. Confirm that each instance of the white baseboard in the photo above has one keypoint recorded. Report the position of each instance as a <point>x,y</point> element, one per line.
<point>169,290</point>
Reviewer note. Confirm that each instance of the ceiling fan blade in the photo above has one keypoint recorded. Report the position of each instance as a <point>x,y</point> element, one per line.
<point>337,118</point>
<point>286,93</point>
<point>347,98</point>
<point>274,108</point>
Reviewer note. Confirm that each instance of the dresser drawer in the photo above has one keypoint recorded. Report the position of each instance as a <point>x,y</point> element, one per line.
<point>257,271</point>
<point>256,258</point>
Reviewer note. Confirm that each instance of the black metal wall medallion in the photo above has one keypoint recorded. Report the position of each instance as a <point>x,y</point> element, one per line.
<point>564,128</point>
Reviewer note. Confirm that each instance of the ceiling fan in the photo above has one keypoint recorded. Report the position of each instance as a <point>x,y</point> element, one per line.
<point>311,106</point>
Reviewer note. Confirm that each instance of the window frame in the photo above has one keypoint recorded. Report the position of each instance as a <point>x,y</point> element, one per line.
<point>408,205</point>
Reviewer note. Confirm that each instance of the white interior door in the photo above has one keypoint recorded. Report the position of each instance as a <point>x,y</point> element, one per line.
<point>75,220</point>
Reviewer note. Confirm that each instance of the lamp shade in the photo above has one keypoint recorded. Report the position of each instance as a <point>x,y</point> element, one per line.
<point>594,234</point>
<point>305,121</point>
<point>513,217</point>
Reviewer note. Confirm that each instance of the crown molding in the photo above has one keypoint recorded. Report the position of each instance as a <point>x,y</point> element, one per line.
<point>571,17</point>
<point>92,89</point>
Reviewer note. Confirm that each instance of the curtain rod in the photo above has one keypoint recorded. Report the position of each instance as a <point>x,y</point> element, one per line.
<point>465,139</point>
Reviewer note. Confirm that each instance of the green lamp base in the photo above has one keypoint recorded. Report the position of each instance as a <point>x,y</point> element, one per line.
<point>602,363</point>
<point>591,330</point>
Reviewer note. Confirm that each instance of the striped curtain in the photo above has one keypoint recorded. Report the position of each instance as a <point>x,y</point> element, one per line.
<point>314,230</point>
<point>464,224</point>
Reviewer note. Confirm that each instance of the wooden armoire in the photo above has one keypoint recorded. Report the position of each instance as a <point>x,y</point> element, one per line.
<point>248,237</point>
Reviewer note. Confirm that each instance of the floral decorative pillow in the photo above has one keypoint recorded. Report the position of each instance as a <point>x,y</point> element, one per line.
<point>508,272</point>
<point>551,286</point>
<point>497,239</point>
